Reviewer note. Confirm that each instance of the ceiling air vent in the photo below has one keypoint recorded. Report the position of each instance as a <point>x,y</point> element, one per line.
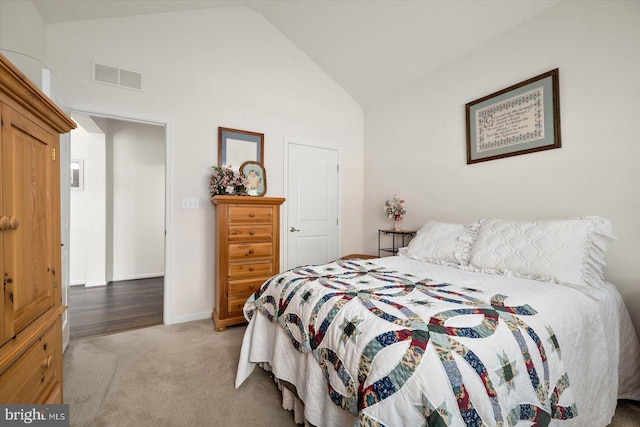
<point>101,73</point>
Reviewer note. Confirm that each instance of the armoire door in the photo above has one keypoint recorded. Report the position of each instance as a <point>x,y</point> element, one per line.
<point>26,208</point>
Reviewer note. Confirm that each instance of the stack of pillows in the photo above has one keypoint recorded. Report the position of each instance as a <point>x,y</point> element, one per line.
<point>568,251</point>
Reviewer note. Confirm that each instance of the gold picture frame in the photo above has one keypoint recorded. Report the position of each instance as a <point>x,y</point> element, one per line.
<point>256,176</point>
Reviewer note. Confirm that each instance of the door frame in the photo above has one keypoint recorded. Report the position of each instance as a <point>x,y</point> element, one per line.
<point>168,239</point>
<point>285,224</point>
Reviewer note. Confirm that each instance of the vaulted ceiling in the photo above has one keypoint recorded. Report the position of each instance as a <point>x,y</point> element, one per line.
<point>370,48</point>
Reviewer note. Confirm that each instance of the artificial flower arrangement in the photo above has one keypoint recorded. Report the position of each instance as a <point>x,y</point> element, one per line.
<point>225,180</point>
<point>395,210</point>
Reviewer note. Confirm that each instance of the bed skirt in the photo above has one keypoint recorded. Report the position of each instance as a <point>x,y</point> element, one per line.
<point>290,400</point>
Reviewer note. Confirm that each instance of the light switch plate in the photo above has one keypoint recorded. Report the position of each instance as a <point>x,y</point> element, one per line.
<point>190,203</point>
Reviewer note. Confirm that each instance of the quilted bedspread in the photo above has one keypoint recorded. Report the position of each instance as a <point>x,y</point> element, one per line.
<point>396,348</point>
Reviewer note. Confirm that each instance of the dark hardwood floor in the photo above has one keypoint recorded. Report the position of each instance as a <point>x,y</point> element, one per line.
<point>117,307</point>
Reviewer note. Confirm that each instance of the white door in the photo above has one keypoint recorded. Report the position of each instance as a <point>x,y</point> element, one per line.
<point>312,205</point>
<point>50,89</point>
<point>65,219</point>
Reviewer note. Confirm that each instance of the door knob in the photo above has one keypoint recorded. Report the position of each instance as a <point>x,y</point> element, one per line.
<point>14,223</point>
<point>293,229</point>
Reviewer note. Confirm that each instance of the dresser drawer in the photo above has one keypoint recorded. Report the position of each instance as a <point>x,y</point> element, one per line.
<point>250,232</point>
<point>33,374</point>
<point>250,214</point>
<point>250,250</point>
<point>245,287</point>
<point>238,271</point>
<point>235,304</point>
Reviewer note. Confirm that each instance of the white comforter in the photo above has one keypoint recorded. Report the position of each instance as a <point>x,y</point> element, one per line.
<point>565,361</point>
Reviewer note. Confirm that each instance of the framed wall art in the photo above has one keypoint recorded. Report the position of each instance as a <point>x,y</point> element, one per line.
<point>77,174</point>
<point>520,119</point>
<point>238,146</point>
<point>256,177</point>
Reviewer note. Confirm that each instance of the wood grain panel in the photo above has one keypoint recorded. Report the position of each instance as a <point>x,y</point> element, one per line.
<point>27,195</point>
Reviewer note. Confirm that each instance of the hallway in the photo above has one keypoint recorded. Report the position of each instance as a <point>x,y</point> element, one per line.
<point>117,307</point>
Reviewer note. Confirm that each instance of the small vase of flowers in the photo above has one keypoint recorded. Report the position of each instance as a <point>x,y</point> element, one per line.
<point>225,180</point>
<point>395,210</point>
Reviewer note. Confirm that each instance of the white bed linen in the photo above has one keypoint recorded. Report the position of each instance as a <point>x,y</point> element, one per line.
<point>594,337</point>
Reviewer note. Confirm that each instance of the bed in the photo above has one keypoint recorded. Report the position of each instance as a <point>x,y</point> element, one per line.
<point>490,323</point>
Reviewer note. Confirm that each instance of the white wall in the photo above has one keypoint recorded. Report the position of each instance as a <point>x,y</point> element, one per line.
<point>138,199</point>
<point>203,69</point>
<point>23,30</point>
<point>415,139</point>
<point>87,214</point>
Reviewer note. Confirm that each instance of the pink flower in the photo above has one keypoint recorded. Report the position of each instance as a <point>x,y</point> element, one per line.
<point>225,180</point>
<point>394,208</point>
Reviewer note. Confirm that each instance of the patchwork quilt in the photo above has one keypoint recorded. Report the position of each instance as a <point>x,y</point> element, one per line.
<point>402,349</point>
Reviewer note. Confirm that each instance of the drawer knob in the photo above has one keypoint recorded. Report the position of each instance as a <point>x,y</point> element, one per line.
<point>7,223</point>
<point>251,287</point>
<point>250,268</point>
<point>48,362</point>
<point>251,214</point>
<point>251,233</point>
<point>250,251</point>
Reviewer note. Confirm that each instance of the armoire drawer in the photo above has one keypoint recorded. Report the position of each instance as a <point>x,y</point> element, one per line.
<point>250,214</point>
<point>250,250</point>
<point>29,378</point>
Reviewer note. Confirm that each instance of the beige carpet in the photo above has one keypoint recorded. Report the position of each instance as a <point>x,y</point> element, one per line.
<point>181,375</point>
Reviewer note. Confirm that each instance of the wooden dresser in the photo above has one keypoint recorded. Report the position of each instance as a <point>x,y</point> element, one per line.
<point>247,252</point>
<point>30,296</point>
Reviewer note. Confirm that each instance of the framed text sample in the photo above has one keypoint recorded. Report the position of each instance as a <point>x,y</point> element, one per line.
<point>520,119</point>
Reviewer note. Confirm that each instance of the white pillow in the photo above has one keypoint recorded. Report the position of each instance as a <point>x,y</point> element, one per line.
<point>436,242</point>
<point>569,251</point>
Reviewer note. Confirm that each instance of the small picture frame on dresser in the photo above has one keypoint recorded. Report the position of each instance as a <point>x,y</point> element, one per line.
<point>256,177</point>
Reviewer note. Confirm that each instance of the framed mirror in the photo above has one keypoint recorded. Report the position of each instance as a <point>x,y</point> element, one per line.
<point>238,146</point>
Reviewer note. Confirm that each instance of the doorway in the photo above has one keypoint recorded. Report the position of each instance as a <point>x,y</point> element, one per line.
<point>116,233</point>
<point>312,205</point>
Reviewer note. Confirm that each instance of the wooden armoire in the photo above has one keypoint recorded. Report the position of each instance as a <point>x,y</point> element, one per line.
<point>247,252</point>
<point>30,295</point>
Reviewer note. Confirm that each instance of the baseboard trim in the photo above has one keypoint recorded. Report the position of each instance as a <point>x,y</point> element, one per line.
<point>192,317</point>
<point>136,277</point>
<point>95,283</point>
<point>77,283</point>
